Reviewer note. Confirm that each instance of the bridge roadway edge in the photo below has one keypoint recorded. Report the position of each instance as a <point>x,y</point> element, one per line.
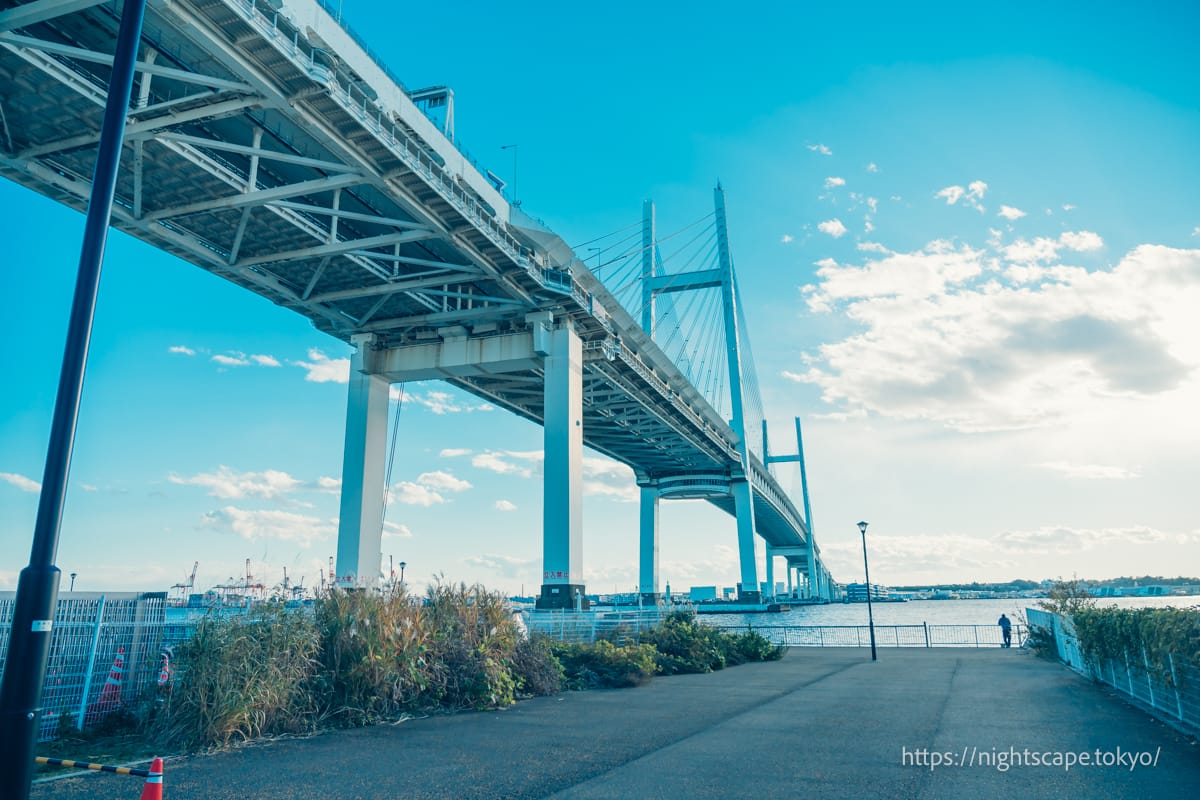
<point>820,722</point>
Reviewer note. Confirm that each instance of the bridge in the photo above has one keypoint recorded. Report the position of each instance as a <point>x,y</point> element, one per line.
<point>267,144</point>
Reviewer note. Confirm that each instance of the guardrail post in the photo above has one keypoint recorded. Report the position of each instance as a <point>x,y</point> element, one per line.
<point>926,625</point>
<point>91,665</point>
<point>976,627</point>
<point>1128,673</point>
<point>1149,683</point>
<point>1175,687</point>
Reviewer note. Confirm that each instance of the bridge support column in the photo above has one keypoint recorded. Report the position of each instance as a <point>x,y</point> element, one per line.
<point>791,590</point>
<point>770,576</point>
<point>648,564</point>
<point>743,501</point>
<point>562,503</point>
<point>360,524</point>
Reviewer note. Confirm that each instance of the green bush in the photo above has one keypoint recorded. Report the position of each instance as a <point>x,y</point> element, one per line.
<point>743,648</point>
<point>1147,636</point>
<point>604,665</point>
<point>687,646</point>
<point>537,670</point>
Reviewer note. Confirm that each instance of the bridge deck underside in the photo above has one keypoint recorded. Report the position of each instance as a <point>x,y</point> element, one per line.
<point>251,158</point>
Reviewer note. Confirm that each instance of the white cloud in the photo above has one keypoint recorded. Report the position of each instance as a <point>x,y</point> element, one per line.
<point>1081,241</point>
<point>1068,207</point>
<point>181,350</point>
<point>820,148</point>
<point>1063,539</point>
<point>414,494</point>
<point>21,482</point>
<point>604,477</point>
<point>1089,471</point>
<point>786,238</point>
<point>833,227</point>
<point>443,481</point>
<point>226,483</point>
<point>396,530</point>
<point>505,566</point>
<point>1010,213</point>
<point>323,369</point>
<point>956,337</point>
<point>265,361</point>
<point>970,196</point>
<point>235,360</point>
<point>831,183</point>
<point>501,462</point>
<point>329,485</point>
<point>505,505</point>
<point>454,452</point>
<point>445,403</point>
<point>87,487</point>
<point>872,167</point>
<point>872,247</point>
<point>269,524</point>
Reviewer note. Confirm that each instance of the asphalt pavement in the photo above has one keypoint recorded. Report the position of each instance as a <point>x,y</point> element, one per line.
<point>919,723</point>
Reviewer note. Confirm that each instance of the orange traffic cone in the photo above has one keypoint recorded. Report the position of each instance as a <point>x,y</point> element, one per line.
<point>152,790</point>
<point>110,696</point>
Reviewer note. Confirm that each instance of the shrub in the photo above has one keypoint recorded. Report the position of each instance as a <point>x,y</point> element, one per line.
<point>686,646</point>
<point>239,678</point>
<point>1153,636</point>
<point>373,655</point>
<point>750,646</point>
<point>537,671</point>
<point>604,664</point>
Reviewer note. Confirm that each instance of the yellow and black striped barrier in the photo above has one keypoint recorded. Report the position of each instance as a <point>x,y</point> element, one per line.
<point>64,762</point>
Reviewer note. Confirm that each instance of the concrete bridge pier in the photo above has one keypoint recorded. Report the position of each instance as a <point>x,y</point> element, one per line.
<point>360,524</point>
<point>648,546</point>
<point>562,503</point>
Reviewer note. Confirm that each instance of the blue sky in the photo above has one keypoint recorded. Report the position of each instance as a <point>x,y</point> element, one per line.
<point>968,238</point>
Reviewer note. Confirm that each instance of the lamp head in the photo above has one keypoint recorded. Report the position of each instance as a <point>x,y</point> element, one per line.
<point>862,528</point>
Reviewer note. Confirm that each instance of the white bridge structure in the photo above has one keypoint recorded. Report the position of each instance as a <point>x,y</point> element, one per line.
<point>266,144</point>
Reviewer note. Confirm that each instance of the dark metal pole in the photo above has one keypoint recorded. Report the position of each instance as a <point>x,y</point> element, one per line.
<point>37,587</point>
<point>862,526</point>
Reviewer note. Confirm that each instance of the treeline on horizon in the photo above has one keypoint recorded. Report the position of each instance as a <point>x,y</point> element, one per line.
<point>1022,584</point>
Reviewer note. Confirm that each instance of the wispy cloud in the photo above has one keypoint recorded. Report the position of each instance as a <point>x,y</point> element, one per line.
<point>1089,472</point>
<point>504,462</point>
<point>21,482</point>
<point>1081,241</point>
<point>505,505</point>
<point>454,452</point>
<point>872,167</point>
<point>1010,213</point>
<point>505,566</point>
<point>820,148</point>
<point>787,238</point>
<point>182,350</point>
<point>265,360</point>
<point>407,493</point>
<point>831,183</point>
<point>396,530</point>
<point>234,360</point>
<point>443,481</point>
<point>254,524</point>
<point>229,484</point>
<point>445,403</point>
<point>833,227</point>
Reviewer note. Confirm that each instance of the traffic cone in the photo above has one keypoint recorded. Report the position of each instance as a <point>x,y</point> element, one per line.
<point>152,789</point>
<point>110,696</point>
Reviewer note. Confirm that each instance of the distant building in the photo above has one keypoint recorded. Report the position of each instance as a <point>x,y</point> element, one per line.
<point>857,592</point>
<point>699,594</point>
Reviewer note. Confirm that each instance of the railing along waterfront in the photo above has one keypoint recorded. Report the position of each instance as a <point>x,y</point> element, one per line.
<point>569,626</point>
<point>1173,697</point>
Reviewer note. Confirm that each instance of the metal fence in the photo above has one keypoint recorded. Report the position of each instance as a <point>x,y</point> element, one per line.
<point>923,635</point>
<point>1176,701</point>
<point>104,651</point>
<point>569,626</point>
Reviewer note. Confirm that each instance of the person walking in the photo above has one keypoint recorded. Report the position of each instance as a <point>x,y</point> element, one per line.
<point>1006,630</point>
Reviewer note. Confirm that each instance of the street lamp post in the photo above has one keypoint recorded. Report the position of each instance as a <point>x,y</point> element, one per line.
<point>862,527</point>
<point>402,566</point>
<point>73,574</point>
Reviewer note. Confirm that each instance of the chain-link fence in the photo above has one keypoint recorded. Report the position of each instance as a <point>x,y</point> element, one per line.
<point>104,652</point>
<point>1173,697</point>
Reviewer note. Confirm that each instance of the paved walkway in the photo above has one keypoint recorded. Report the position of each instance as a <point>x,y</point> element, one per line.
<point>821,723</point>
